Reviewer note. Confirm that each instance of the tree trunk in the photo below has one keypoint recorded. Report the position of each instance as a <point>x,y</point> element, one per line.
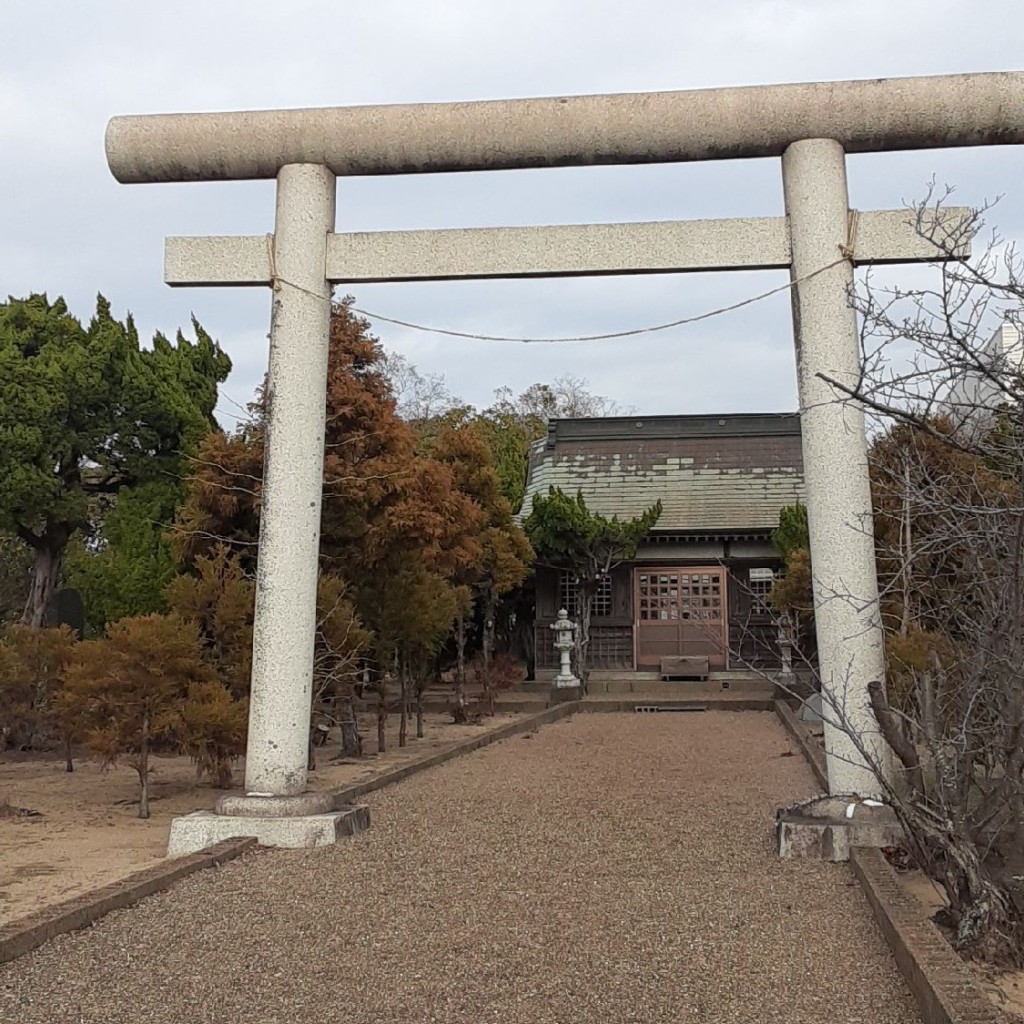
<point>490,628</point>
<point>584,592</point>
<point>459,713</point>
<point>488,651</point>
<point>382,713</point>
<point>45,572</point>
<point>351,741</point>
<point>403,727</point>
<point>530,650</point>
<point>419,713</point>
<point>144,768</point>
<point>987,922</point>
<point>907,552</point>
<point>69,765</point>
<point>223,775</point>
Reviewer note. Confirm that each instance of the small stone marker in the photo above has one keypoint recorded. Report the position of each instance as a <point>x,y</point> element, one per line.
<point>66,609</point>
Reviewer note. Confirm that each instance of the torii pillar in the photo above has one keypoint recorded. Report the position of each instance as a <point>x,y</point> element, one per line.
<point>810,127</point>
<point>838,489</point>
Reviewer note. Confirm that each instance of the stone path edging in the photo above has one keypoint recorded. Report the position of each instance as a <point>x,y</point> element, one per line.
<point>801,735</point>
<point>940,982</point>
<point>24,934</point>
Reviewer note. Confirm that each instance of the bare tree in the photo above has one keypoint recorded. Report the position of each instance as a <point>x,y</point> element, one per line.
<point>565,397</point>
<point>421,397</point>
<point>942,378</point>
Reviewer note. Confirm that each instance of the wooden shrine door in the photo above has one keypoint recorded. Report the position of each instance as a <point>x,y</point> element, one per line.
<point>681,610</point>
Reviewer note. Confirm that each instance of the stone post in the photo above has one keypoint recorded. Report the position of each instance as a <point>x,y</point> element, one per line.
<point>785,641</point>
<point>286,581</point>
<point>850,647</point>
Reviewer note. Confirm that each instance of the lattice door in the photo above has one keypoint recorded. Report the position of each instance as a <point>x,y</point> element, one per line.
<point>681,611</point>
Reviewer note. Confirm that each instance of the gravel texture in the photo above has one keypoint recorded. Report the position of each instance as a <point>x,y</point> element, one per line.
<point>610,868</point>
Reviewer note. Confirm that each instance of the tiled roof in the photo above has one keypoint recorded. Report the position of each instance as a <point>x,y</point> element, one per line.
<point>711,473</point>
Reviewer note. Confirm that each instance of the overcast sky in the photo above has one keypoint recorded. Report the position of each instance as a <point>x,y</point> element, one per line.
<point>66,227</point>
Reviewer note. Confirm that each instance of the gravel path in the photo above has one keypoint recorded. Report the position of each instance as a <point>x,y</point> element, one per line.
<point>610,868</point>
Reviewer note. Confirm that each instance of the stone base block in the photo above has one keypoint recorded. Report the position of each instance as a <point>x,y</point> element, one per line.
<point>820,829</point>
<point>193,832</point>
<point>561,694</point>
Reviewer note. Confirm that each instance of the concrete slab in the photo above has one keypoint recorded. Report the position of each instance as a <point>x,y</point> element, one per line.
<point>193,832</point>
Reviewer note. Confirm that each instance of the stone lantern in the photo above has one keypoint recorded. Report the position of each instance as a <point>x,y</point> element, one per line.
<point>564,629</point>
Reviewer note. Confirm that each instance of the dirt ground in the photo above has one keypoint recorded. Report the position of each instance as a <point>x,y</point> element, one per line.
<point>85,831</point>
<point>1005,989</point>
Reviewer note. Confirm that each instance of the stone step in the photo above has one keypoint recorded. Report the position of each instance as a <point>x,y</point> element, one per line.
<point>679,688</point>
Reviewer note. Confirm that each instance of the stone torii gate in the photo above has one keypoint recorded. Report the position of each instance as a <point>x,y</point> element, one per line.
<point>811,127</point>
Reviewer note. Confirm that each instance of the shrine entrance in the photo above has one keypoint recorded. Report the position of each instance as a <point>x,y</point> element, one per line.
<point>681,611</point>
<point>809,127</point>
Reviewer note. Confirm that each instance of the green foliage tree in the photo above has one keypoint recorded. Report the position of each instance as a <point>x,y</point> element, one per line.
<point>792,533</point>
<point>566,534</point>
<point>792,593</point>
<point>15,576</point>
<point>129,690</point>
<point>86,412</point>
<point>123,564</point>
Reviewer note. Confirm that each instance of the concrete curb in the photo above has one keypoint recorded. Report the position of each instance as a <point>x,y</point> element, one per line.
<point>27,933</point>
<point>940,981</point>
<point>801,735</point>
<point>351,793</point>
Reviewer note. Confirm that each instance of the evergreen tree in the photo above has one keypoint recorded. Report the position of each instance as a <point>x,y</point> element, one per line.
<point>85,413</point>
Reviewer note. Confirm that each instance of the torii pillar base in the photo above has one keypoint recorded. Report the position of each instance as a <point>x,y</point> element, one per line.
<point>313,819</point>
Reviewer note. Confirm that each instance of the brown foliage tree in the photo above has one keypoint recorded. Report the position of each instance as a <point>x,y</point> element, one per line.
<point>384,507</point>
<point>129,689</point>
<point>505,553</point>
<point>218,597</point>
<point>213,730</point>
<point>32,664</point>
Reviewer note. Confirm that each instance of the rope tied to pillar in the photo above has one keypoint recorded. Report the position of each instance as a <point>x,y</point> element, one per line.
<point>275,281</point>
<point>849,250</point>
<point>847,254</point>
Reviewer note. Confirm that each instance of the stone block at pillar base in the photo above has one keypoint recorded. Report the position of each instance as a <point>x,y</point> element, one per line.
<point>819,829</point>
<point>561,694</point>
<point>193,832</point>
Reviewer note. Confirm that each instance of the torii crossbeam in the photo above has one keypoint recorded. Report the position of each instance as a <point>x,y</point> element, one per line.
<point>811,127</point>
